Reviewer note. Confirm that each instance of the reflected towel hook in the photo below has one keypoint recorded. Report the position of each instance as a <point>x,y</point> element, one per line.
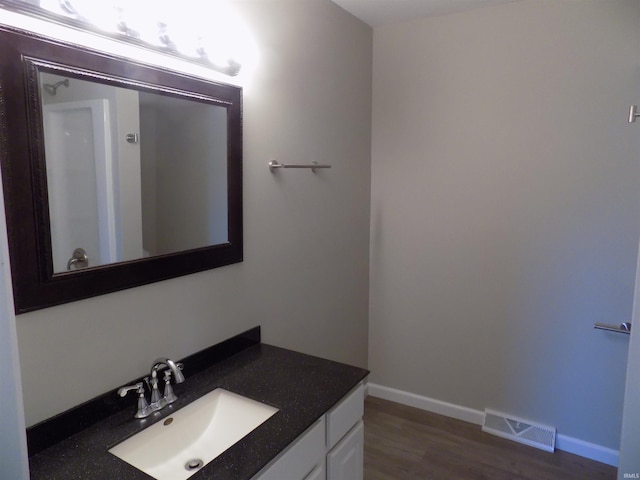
<point>274,165</point>
<point>53,89</point>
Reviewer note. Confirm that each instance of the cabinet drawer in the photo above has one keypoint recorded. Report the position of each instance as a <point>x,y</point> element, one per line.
<point>345,415</point>
<point>306,452</point>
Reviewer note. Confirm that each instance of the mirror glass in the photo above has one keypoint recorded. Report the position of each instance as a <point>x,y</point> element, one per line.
<point>130,174</point>
<point>115,173</point>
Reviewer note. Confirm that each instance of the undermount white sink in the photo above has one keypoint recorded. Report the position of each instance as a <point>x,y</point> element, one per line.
<point>181,444</point>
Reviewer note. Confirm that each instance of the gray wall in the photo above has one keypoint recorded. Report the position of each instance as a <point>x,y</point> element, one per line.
<point>505,209</point>
<point>305,274</point>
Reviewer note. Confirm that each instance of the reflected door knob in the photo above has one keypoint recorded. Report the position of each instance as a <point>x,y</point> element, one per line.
<point>79,259</point>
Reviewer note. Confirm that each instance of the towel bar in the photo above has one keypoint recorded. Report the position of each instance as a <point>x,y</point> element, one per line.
<point>274,164</point>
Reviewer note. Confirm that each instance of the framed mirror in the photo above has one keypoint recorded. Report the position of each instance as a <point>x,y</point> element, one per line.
<point>115,174</point>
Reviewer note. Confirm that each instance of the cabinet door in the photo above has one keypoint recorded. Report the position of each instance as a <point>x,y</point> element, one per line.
<point>345,461</point>
<point>319,473</point>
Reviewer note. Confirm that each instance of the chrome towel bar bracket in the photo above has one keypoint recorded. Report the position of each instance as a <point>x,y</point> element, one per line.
<point>274,165</point>
<point>622,328</point>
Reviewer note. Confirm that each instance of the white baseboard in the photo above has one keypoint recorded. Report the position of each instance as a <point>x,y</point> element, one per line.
<point>426,403</point>
<point>563,442</point>
<point>588,450</point>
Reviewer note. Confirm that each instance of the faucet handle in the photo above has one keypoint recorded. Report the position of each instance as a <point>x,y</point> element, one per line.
<point>156,399</point>
<point>169,395</point>
<point>179,376</point>
<point>139,387</point>
<point>143,410</point>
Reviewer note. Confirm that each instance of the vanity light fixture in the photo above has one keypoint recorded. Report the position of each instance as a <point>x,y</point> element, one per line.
<point>159,25</point>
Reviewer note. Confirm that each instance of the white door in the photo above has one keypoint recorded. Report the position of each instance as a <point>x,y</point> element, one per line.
<point>80,181</point>
<point>629,465</point>
<point>13,454</point>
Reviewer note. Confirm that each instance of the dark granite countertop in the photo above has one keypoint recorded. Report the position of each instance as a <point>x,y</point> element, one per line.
<point>302,387</point>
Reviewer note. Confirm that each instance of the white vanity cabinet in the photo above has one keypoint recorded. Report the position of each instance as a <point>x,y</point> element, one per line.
<point>331,449</point>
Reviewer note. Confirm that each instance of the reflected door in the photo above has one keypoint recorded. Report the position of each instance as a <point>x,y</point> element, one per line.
<point>79,165</point>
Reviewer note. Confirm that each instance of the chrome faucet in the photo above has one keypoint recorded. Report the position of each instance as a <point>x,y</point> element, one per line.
<point>158,401</point>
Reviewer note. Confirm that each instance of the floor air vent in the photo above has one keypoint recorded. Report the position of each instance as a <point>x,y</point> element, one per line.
<point>523,431</point>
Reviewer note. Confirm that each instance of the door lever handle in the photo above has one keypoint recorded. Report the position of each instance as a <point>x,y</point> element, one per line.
<point>624,327</point>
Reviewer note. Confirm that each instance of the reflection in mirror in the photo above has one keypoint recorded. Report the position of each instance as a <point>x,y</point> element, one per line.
<point>131,173</point>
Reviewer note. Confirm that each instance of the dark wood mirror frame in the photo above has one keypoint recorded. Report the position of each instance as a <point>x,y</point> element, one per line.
<point>35,285</point>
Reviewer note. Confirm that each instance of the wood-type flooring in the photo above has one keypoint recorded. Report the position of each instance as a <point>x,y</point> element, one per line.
<point>405,443</point>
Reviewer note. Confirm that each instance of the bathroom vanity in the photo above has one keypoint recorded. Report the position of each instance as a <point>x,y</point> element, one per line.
<point>316,434</point>
<point>332,448</point>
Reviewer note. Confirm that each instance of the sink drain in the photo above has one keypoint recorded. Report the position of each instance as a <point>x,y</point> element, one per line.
<point>194,464</point>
